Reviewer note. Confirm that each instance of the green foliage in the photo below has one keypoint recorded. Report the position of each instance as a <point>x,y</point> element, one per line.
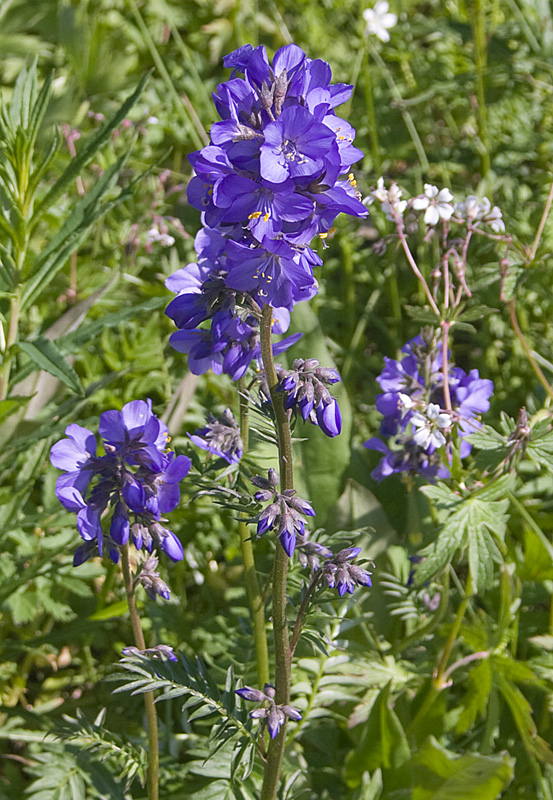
<point>435,684</point>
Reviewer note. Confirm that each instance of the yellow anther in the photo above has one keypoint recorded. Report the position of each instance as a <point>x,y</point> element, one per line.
<point>266,216</point>
<point>255,215</point>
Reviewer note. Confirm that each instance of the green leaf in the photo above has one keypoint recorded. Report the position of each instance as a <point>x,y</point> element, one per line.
<point>441,775</point>
<point>87,153</point>
<point>216,790</point>
<point>113,610</point>
<point>383,742</point>
<point>86,211</point>
<point>478,521</point>
<point>371,787</point>
<point>538,557</point>
<point>475,700</point>
<point>520,708</point>
<point>46,355</point>
<point>10,406</point>
<point>475,312</point>
<point>23,605</point>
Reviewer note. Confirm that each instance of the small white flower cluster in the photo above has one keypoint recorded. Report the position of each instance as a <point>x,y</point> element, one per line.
<point>379,19</point>
<point>392,204</point>
<point>475,210</point>
<point>429,425</point>
<point>437,205</point>
<point>155,235</point>
<point>428,419</point>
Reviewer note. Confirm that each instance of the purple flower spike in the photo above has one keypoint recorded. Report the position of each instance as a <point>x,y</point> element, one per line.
<point>135,482</point>
<point>275,174</point>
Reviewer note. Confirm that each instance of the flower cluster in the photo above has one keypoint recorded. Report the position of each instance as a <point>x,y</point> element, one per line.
<point>273,716</point>
<point>412,405</point>
<point>277,172</point>
<point>437,204</point>
<point>150,579</point>
<point>474,210</point>
<point>340,574</point>
<point>221,437</point>
<point>284,513</point>
<point>137,480</point>
<point>310,553</point>
<point>306,391</point>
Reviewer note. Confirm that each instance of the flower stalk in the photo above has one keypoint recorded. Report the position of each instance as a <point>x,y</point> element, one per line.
<point>255,598</point>
<point>275,752</point>
<point>152,777</point>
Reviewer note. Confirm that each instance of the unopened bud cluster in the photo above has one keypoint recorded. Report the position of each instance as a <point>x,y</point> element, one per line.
<point>285,512</point>
<point>273,715</point>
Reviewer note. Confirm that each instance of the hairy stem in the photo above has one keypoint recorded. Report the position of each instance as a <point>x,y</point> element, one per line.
<point>300,619</point>
<point>541,226</point>
<point>275,753</point>
<point>253,592</point>
<point>445,364</point>
<point>413,264</point>
<point>152,778</point>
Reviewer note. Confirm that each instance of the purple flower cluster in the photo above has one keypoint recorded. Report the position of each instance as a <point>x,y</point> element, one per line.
<point>307,394</point>
<point>412,405</point>
<point>273,716</point>
<point>231,342</point>
<point>137,480</point>
<point>340,574</point>
<point>275,174</point>
<point>221,437</point>
<point>284,513</point>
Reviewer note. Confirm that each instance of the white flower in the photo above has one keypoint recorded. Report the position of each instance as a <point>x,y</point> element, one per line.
<point>392,204</point>
<point>405,402</point>
<point>494,220</point>
<point>153,235</point>
<point>437,203</point>
<point>429,426</point>
<point>474,209</point>
<point>379,20</point>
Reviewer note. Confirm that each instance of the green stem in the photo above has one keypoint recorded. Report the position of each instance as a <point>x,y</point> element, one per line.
<point>197,135</point>
<point>410,125</point>
<point>373,129</point>
<point>541,225</point>
<point>275,753</point>
<point>11,339</point>
<point>152,777</point>
<point>525,346</point>
<point>478,22</point>
<point>300,619</point>
<point>439,681</point>
<point>253,592</point>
